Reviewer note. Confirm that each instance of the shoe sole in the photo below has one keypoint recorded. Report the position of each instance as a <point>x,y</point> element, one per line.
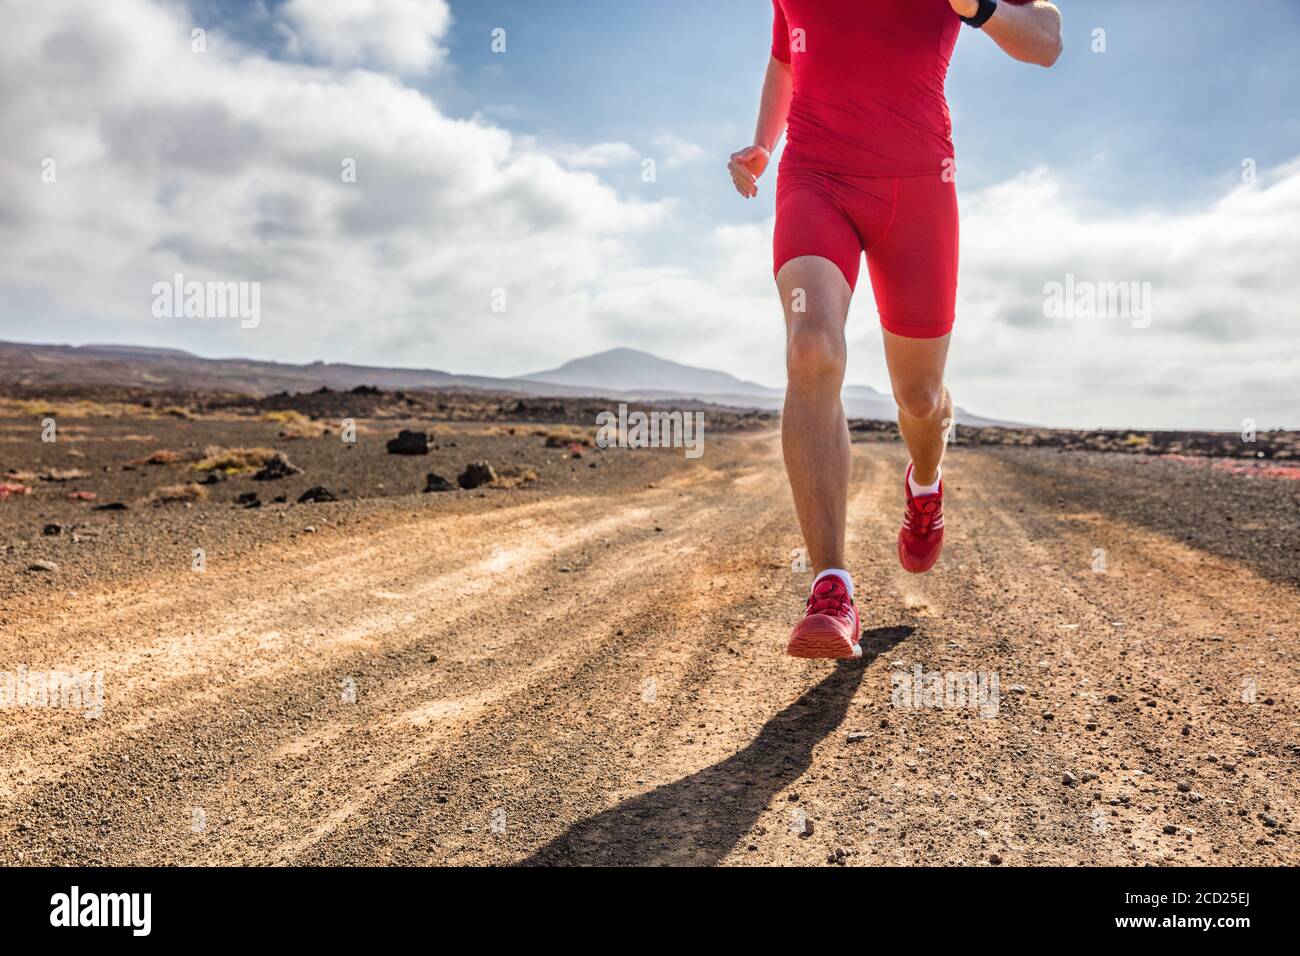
<point>821,643</point>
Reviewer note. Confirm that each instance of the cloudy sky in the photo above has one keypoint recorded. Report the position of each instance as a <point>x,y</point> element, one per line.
<point>135,149</point>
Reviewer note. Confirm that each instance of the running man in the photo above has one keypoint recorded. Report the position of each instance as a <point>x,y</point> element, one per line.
<point>858,87</point>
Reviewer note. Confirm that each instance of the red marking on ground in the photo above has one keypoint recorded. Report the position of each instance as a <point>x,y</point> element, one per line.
<point>1240,467</point>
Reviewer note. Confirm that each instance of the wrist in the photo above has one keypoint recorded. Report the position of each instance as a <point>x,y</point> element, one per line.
<point>984,10</point>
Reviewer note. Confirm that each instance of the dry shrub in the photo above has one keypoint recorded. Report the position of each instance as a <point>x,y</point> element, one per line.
<point>295,424</point>
<point>561,436</point>
<point>162,456</point>
<point>284,416</point>
<point>61,474</point>
<point>186,492</point>
<point>515,478</point>
<point>233,460</point>
<point>81,408</point>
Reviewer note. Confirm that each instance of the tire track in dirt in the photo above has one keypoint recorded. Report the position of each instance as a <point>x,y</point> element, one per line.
<point>472,641</point>
<point>601,679</point>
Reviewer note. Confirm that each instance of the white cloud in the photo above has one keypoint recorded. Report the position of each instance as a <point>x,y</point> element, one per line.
<point>226,165</point>
<point>398,35</point>
<point>600,156</point>
<point>1220,344</point>
<point>677,151</point>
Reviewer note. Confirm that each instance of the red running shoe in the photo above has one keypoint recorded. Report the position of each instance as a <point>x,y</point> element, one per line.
<point>829,629</point>
<point>921,538</point>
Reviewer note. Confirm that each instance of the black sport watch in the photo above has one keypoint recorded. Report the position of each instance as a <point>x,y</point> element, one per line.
<point>986,10</point>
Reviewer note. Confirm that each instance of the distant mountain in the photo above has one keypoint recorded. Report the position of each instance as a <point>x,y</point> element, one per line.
<point>633,370</point>
<point>140,350</point>
<point>637,374</point>
<point>619,374</point>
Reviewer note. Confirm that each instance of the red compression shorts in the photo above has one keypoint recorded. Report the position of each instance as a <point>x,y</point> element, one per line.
<point>907,225</point>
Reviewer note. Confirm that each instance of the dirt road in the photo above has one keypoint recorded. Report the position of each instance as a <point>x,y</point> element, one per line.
<point>595,678</point>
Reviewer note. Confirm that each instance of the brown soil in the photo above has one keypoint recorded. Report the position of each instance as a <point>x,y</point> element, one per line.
<point>590,668</point>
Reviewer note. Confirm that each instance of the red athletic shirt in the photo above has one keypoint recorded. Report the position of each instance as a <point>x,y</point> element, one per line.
<point>868,84</point>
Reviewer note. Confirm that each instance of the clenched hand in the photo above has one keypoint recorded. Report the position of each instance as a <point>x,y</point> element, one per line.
<point>746,166</point>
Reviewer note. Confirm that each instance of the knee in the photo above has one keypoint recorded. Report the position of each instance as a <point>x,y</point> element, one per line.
<point>920,399</point>
<point>815,355</point>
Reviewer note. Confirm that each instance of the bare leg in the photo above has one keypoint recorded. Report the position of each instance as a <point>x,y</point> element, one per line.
<point>814,433</point>
<point>924,405</point>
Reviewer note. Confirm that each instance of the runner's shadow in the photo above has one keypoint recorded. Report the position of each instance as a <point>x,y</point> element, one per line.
<point>696,820</point>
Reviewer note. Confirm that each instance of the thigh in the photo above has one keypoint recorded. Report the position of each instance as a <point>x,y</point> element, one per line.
<point>814,294</point>
<point>914,363</point>
<point>914,264</point>
<point>811,223</point>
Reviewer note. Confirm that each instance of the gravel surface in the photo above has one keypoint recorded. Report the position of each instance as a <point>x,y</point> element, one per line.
<point>589,668</point>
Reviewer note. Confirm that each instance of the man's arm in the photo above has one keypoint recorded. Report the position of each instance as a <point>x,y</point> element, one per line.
<point>774,106</point>
<point>1029,33</point>
<point>748,164</point>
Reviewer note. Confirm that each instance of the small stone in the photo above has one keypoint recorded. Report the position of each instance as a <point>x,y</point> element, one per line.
<point>476,474</point>
<point>1184,786</point>
<point>1112,698</point>
<point>856,736</point>
<point>1170,829</point>
<point>1069,779</point>
<point>409,443</point>
<point>995,859</point>
<point>42,566</point>
<point>276,467</point>
<point>52,529</point>
<point>434,482</point>
<point>317,494</point>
